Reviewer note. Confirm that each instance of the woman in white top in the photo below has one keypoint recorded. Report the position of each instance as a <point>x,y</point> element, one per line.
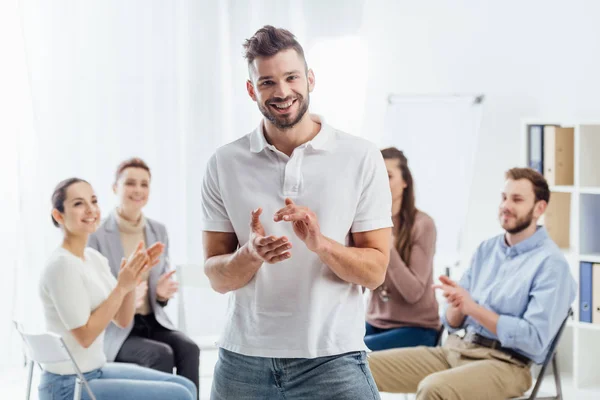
<point>81,297</point>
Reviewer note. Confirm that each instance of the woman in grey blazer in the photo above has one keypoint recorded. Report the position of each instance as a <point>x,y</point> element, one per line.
<point>150,340</point>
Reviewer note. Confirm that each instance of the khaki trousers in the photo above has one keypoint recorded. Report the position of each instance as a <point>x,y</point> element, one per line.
<point>456,371</point>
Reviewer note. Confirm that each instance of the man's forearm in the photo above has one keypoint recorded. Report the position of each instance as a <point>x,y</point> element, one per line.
<point>230,272</point>
<point>487,318</point>
<point>361,266</point>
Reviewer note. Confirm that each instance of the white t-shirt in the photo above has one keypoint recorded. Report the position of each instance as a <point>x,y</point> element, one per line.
<point>297,308</point>
<point>70,289</point>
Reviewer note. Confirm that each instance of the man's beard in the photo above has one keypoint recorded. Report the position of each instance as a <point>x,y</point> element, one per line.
<point>522,223</point>
<point>284,122</point>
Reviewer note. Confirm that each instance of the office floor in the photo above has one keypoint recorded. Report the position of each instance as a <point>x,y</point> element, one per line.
<point>12,384</point>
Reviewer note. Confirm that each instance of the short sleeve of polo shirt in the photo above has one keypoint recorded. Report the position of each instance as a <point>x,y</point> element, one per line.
<point>374,209</point>
<point>214,213</point>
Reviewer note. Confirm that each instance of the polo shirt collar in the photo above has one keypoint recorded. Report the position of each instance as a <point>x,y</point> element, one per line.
<point>322,141</point>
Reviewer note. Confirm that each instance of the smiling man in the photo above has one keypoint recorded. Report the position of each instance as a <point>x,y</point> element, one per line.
<point>296,218</point>
<point>511,301</point>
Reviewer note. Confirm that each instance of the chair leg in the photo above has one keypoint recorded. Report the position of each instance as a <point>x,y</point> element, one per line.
<point>87,388</point>
<point>557,380</point>
<point>29,378</point>
<point>77,392</point>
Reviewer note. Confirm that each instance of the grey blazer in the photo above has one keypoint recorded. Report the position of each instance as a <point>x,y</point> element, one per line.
<point>107,240</point>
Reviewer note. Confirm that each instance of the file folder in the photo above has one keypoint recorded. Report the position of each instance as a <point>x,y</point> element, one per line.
<point>596,294</point>
<point>585,292</point>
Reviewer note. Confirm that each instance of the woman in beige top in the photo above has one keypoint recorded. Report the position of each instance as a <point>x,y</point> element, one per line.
<point>150,340</point>
<point>403,311</point>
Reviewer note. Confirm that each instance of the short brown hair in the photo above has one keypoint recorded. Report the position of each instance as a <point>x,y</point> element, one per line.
<point>268,41</point>
<point>540,185</point>
<point>134,162</point>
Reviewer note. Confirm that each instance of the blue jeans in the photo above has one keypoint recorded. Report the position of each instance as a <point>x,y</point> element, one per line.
<point>344,377</point>
<point>116,381</point>
<point>382,339</point>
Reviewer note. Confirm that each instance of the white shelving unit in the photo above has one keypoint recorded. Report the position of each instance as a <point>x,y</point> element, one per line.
<point>579,349</point>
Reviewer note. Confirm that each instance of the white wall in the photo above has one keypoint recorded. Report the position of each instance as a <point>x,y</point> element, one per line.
<point>529,58</point>
<point>109,80</point>
<point>170,76</point>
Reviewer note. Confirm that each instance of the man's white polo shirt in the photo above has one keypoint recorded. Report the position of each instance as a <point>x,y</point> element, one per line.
<point>297,308</point>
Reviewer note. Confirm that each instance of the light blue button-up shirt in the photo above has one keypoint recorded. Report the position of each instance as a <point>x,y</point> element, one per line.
<point>529,285</point>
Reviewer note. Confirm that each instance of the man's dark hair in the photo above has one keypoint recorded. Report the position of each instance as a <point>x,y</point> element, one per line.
<point>540,185</point>
<point>268,41</point>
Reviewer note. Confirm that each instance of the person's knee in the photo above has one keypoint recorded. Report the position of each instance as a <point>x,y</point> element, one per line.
<point>161,357</point>
<point>189,385</point>
<point>191,350</point>
<point>181,392</point>
<point>369,342</point>
<point>433,388</point>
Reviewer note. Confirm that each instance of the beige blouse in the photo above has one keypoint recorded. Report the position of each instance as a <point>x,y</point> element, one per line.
<point>411,298</point>
<point>131,234</point>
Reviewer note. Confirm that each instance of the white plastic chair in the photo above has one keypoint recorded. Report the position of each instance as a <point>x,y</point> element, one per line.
<point>192,276</point>
<point>49,348</point>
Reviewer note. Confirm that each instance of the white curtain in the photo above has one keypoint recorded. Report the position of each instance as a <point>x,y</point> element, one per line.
<point>99,82</point>
<point>16,127</point>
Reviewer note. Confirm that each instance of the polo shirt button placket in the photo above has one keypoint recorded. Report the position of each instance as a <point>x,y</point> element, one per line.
<point>292,180</point>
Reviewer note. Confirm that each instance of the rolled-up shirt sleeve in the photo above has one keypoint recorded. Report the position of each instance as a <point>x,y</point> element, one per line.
<point>551,295</point>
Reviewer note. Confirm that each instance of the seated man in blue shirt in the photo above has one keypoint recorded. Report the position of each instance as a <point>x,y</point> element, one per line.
<point>511,302</point>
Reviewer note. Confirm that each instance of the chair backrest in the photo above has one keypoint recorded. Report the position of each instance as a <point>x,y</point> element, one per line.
<point>192,275</point>
<point>196,296</point>
<point>44,348</point>
<point>49,348</point>
<point>551,354</point>
<point>440,335</point>
<point>554,343</point>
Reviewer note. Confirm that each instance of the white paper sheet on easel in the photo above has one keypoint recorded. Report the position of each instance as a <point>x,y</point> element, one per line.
<point>438,135</point>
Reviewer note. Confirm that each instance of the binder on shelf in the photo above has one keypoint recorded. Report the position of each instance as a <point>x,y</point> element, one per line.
<point>536,147</point>
<point>596,294</point>
<point>585,292</point>
<point>559,154</point>
<point>557,219</point>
